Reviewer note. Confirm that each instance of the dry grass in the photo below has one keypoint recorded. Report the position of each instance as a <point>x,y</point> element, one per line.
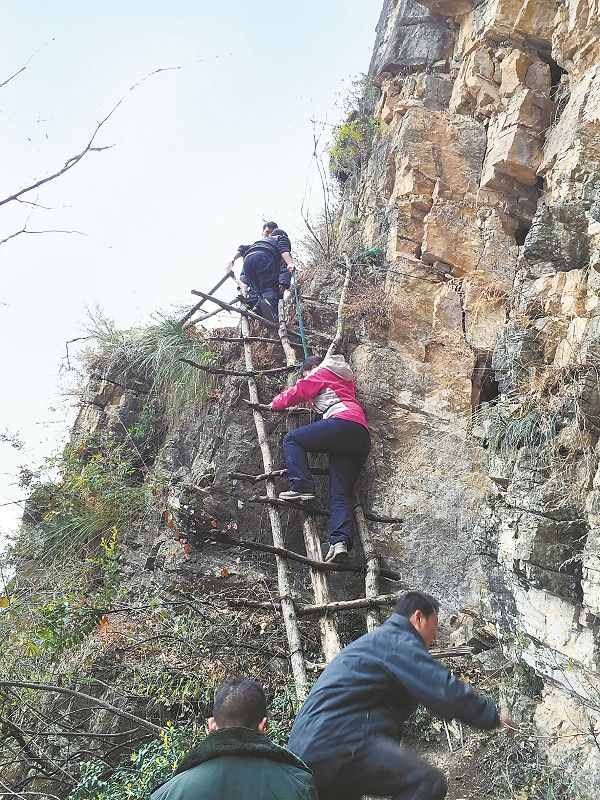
<point>370,308</point>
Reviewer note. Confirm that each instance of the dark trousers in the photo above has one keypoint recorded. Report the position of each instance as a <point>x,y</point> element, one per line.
<point>382,767</point>
<point>348,444</point>
<point>261,275</point>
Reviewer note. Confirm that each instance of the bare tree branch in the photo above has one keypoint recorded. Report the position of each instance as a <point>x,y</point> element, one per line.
<point>24,229</point>
<point>90,146</point>
<point>26,64</point>
<point>44,687</point>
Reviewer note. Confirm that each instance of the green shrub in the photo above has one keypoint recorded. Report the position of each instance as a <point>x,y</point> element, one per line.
<point>92,487</point>
<point>149,766</point>
<point>352,143</point>
<point>156,761</point>
<point>155,354</point>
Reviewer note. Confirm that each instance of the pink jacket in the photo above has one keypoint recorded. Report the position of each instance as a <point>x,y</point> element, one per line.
<point>330,389</point>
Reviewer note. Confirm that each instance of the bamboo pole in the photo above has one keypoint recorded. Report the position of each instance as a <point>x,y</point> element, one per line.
<point>330,639</point>
<point>283,577</point>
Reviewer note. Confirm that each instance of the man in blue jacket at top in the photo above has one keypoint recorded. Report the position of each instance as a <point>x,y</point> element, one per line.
<point>265,261</point>
<point>350,726</point>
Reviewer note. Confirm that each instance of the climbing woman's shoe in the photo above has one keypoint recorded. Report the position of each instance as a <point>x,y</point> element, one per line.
<point>292,495</point>
<point>337,552</point>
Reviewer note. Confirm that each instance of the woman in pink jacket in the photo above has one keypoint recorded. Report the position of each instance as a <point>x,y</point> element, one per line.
<point>343,433</point>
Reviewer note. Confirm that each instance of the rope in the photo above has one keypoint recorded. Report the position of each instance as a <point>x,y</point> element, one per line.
<point>300,318</point>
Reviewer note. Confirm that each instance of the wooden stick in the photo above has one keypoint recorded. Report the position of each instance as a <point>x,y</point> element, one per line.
<point>241,339</point>
<point>243,311</point>
<point>277,473</point>
<point>340,325</point>
<point>455,652</point>
<point>198,305</point>
<point>283,576</point>
<point>202,319</point>
<point>265,407</point>
<point>347,605</point>
<point>372,576</point>
<point>326,566</point>
<point>289,352</point>
<point>303,506</point>
<point>296,504</point>
<point>235,372</point>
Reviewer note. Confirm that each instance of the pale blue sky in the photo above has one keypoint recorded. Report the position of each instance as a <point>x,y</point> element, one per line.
<point>201,156</point>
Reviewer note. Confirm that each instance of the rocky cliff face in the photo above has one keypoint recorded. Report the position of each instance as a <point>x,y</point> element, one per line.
<point>483,188</point>
<point>476,346</point>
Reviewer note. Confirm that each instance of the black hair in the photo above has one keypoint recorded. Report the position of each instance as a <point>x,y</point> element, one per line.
<point>270,225</point>
<point>409,602</point>
<point>239,703</point>
<point>310,362</point>
<point>278,232</point>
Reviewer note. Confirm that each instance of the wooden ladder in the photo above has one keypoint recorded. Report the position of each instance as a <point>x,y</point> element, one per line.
<point>323,605</point>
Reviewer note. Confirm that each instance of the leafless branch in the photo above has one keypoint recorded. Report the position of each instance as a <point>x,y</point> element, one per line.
<point>44,687</point>
<point>24,229</point>
<point>26,64</point>
<point>90,147</point>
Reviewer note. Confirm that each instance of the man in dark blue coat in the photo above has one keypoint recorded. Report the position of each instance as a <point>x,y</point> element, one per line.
<point>261,272</point>
<point>350,726</point>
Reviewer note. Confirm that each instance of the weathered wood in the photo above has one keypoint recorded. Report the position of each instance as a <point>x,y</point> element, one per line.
<point>330,639</point>
<point>298,505</point>
<point>199,304</point>
<point>319,512</point>
<point>266,407</point>
<point>447,652</point>
<point>238,373</point>
<point>242,311</point>
<point>203,318</point>
<point>340,320</point>
<point>277,473</point>
<point>372,574</point>
<point>288,350</point>
<point>347,605</point>
<point>326,566</point>
<point>241,339</point>
<point>283,577</point>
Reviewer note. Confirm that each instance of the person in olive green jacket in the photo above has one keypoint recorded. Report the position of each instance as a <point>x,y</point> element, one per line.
<point>236,759</point>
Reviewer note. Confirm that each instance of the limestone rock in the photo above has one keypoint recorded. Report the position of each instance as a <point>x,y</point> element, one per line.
<point>409,37</point>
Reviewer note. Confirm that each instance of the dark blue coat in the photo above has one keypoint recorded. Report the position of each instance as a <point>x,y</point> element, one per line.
<point>372,686</point>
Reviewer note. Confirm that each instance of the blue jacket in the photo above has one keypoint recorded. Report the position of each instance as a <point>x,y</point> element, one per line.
<point>372,686</point>
<point>273,245</point>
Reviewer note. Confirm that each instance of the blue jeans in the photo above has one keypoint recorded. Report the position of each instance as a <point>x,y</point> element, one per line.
<point>348,444</point>
<point>262,277</point>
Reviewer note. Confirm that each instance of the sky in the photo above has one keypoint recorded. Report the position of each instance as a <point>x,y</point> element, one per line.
<point>200,154</point>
